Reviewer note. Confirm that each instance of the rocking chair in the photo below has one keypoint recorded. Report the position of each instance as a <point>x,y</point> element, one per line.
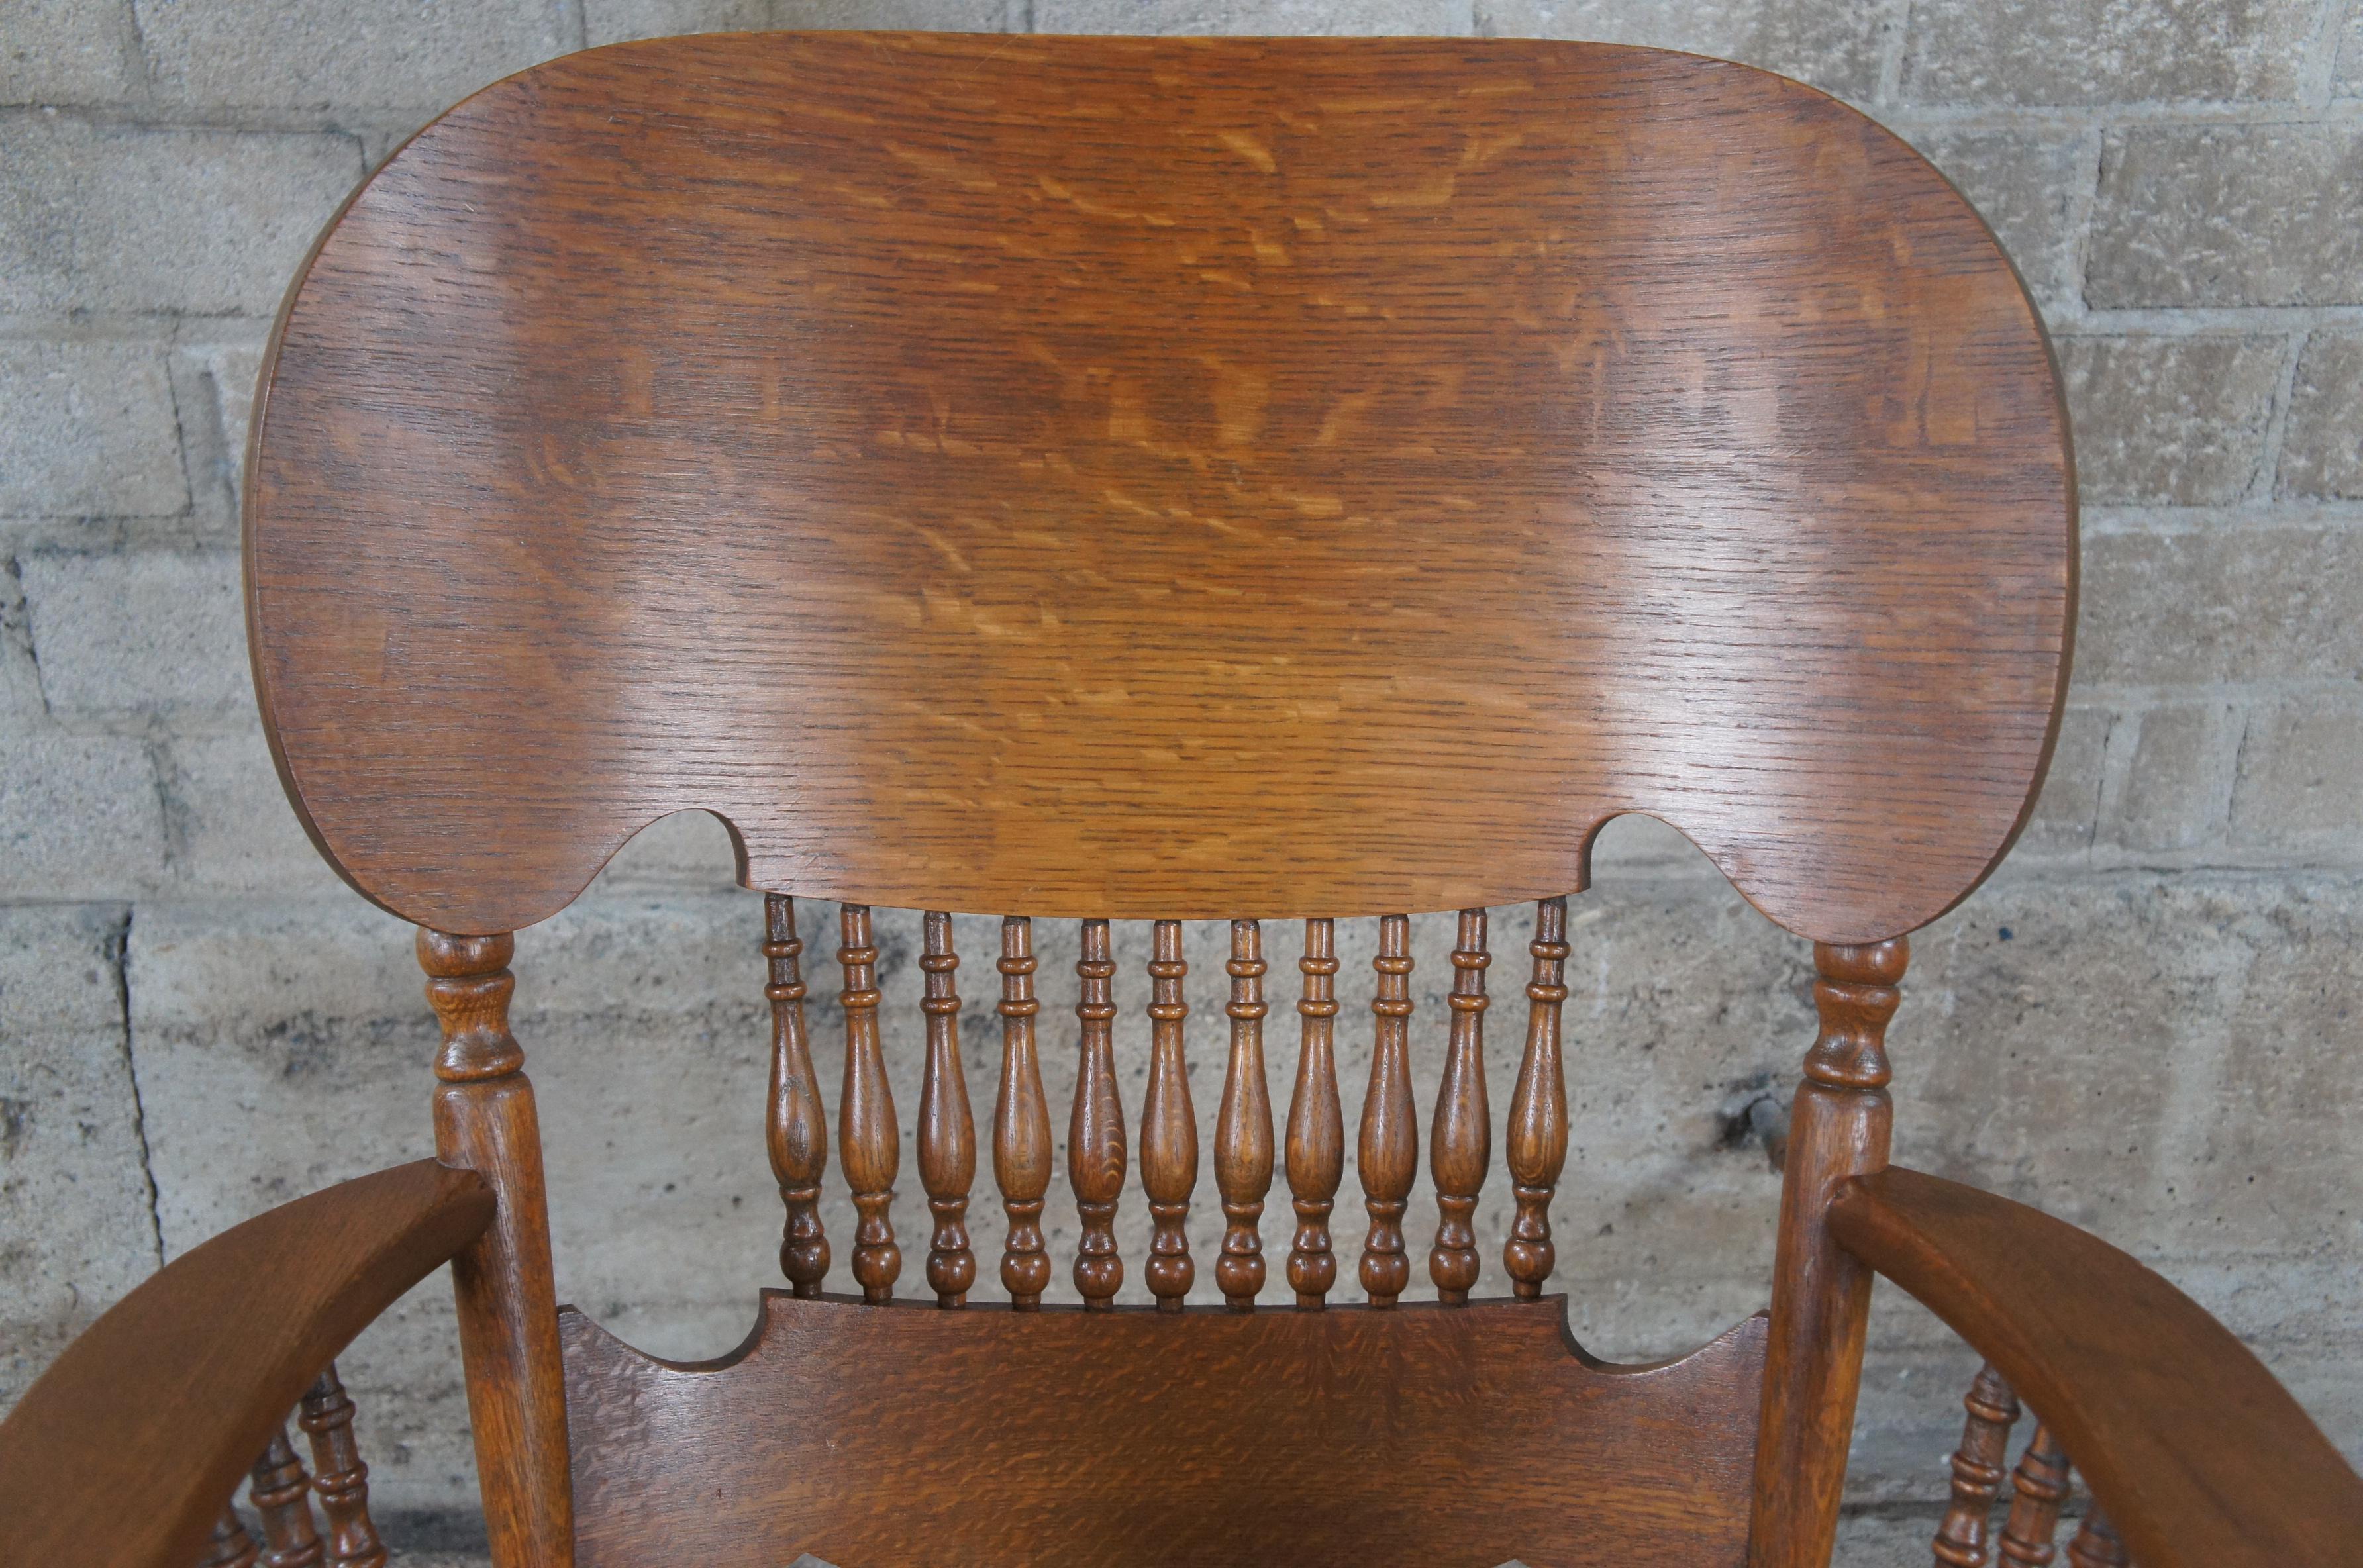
<point>1115,480</point>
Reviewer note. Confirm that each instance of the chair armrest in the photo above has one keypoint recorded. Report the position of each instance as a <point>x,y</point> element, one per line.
<point>2198,1454</point>
<point>123,1452</point>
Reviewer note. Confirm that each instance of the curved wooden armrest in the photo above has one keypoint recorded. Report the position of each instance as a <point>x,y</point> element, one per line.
<point>124,1452</point>
<point>2198,1454</point>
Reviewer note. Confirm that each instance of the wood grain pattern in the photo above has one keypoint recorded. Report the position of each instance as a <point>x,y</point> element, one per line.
<point>947,1127</point>
<point>169,1397</point>
<point>795,1124</point>
<point>1460,1138</point>
<point>1821,1295</point>
<point>281,1495</point>
<point>1387,1156</point>
<point>1316,1123</point>
<point>869,1139</point>
<point>1021,1122</point>
<point>1979,1467</point>
<point>339,1475</point>
<point>1169,1125</point>
<point>1095,1147</point>
<point>2200,1457</point>
<point>906,1438</point>
<point>1243,1124</point>
<point>485,1121</point>
<point>1538,1131</point>
<point>1229,458</point>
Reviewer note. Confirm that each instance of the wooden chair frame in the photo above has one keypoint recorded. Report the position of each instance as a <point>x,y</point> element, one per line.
<point>1162,479</point>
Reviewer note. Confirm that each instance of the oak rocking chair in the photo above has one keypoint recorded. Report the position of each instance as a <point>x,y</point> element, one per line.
<point>1111,480</point>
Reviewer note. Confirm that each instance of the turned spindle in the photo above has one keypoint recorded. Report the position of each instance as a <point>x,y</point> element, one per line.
<point>2038,1490</point>
<point>1460,1138</point>
<point>1536,1137</point>
<point>1243,1125</point>
<point>1095,1150</point>
<point>1821,1293</point>
<point>338,1474</point>
<point>946,1128</point>
<point>1168,1126</point>
<point>1979,1466</point>
<point>871,1143</point>
<point>233,1545</point>
<point>1388,1149</point>
<point>796,1129</point>
<point>281,1495</point>
<point>1316,1122</point>
<point>1021,1123</point>
<point>2096,1544</point>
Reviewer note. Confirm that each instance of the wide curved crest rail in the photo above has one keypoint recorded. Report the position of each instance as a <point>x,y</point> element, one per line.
<point>1055,476</point>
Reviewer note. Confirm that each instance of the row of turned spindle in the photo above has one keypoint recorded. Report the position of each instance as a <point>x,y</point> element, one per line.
<point>1461,1132</point>
<point>2039,1492</point>
<point>281,1494</point>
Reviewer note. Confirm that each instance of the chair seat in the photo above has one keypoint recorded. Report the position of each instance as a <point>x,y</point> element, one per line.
<point>909,1435</point>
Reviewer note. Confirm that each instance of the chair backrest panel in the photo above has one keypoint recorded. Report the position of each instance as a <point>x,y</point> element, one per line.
<point>1155,478</point>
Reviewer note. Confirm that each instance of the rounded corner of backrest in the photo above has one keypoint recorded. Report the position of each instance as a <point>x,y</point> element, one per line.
<point>1878,921</point>
<point>253,528</point>
<point>1790,902</point>
<point>254,540</point>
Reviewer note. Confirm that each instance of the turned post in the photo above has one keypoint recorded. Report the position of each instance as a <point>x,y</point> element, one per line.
<point>1979,1466</point>
<point>485,1121</point>
<point>281,1495</point>
<point>1096,1148</point>
<point>233,1545</point>
<point>870,1142</point>
<point>1021,1123</point>
<point>946,1128</point>
<point>796,1128</point>
<point>2038,1490</point>
<point>2096,1544</point>
<point>1388,1149</point>
<point>1243,1125</point>
<point>1821,1294</point>
<point>1168,1126</point>
<point>1536,1137</point>
<point>1460,1138</point>
<point>1316,1122</point>
<point>339,1475</point>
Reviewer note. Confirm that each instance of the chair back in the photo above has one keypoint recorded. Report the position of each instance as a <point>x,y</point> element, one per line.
<point>1116,479</point>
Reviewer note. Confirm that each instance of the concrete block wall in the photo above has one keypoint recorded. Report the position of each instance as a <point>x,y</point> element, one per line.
<point>2150,1023</point>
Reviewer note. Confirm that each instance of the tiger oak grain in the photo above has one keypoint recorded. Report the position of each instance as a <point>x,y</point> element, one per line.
<point>1161,479</point>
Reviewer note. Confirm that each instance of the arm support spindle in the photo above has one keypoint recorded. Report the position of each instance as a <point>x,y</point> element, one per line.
<point>120,1456</point>
<point>2199,1456</point>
